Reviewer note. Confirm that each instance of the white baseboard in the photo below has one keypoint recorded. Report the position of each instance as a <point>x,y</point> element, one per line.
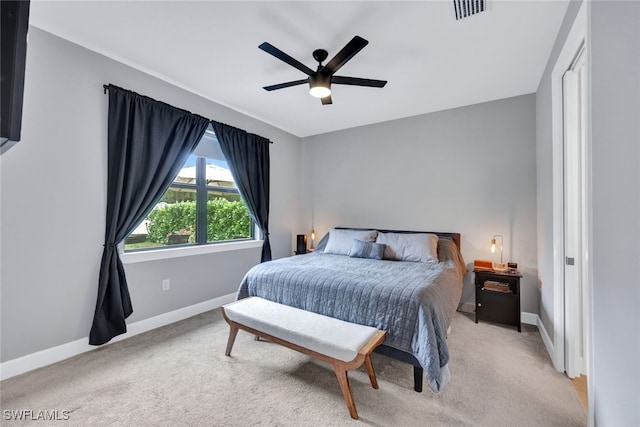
<point>546,339</point>
<point>23,364</point>
<point>52,355</point>
<point>467,307</point>
<point>529,318</point>
<point>534,319</point>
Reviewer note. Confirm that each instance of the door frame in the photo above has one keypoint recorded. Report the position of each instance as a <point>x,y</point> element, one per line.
<point>576,215</point>
<point>576,40</point>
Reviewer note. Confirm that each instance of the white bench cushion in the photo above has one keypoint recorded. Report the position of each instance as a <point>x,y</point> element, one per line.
<point>326,335</point>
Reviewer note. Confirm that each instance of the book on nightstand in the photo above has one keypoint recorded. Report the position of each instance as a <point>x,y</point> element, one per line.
<point>491,285</point>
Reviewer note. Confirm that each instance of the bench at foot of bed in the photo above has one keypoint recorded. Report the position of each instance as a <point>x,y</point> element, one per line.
<point>342,344</point>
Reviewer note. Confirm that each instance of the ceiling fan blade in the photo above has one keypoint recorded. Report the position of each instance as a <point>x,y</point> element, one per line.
<point>356,81</point>
<point>270,49</point>
<point>354,46</point>
<point>287,84</point>
<point>326,100</point>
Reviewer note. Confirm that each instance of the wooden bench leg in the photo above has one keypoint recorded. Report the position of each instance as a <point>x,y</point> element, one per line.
<point>233,332</point>
<point>372,375</point>
<point>343,380</point>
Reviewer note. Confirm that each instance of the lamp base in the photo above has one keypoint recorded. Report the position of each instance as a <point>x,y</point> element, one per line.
<point>500,266</point>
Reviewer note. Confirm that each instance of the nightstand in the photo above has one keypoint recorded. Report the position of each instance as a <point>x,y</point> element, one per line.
<point>302,253</point>
<point>498,297</point>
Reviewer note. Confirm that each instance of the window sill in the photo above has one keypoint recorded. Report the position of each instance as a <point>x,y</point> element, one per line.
<point>155,255</point>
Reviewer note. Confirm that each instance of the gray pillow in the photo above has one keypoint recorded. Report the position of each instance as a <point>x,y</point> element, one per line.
<point>417,247</point>
<point>341,240</point>
<point>369,250</point>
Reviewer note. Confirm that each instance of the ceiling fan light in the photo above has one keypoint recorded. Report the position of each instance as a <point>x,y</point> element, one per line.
<point>320,91</point>
<point>320,85</point>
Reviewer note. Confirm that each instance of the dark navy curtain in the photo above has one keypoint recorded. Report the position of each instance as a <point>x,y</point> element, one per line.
<point>248,158</point>
<point>148,142</point>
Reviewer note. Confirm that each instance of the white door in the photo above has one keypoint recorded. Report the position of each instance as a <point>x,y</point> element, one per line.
<point>575,221</point>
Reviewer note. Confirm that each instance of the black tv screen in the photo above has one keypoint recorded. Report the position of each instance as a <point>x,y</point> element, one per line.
<point>15,25</point>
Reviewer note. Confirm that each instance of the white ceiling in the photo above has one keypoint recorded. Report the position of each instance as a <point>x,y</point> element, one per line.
<point>432,61</point>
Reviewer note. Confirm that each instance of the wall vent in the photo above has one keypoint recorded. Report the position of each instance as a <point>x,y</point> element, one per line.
<point>465,8</point>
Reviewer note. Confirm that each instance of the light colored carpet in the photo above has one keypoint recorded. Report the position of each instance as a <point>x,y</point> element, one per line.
<point>178,376</point>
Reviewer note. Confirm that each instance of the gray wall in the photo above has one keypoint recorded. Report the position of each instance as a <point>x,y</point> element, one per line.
<point>615,137</point>
<point>544,165</point>
<point>469,170</point>
<point>614,73</point>
<point>53,186</point>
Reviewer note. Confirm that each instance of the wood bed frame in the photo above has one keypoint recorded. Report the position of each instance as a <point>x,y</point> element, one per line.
<point>403,356</point>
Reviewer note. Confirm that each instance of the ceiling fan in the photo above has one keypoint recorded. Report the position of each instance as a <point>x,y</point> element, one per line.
<point>320,80</point>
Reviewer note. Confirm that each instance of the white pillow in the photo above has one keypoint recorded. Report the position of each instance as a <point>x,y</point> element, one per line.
<point>341,240</point>
<point>418,247</point>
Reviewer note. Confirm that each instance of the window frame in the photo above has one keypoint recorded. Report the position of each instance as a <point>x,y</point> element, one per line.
<point>178,251</point>
<point>202,190</point>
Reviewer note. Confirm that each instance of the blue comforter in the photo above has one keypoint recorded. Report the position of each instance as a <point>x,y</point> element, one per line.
<point>413,301</point>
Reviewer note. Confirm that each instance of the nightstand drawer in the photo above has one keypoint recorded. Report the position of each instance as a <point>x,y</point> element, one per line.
<point>497,307</point>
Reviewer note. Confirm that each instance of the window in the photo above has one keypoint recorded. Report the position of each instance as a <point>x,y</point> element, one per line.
<point>201,206</point>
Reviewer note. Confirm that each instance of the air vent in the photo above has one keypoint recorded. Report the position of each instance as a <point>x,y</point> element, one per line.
<point>466,8</point>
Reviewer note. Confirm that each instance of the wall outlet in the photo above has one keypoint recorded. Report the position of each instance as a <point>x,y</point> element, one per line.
<point>166,284</point>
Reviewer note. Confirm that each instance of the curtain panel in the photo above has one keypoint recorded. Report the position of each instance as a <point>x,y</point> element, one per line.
<point>148,142</point>
<point>248,158</point>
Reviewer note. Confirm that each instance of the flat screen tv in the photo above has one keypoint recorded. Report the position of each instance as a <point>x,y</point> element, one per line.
<point>15,24</point>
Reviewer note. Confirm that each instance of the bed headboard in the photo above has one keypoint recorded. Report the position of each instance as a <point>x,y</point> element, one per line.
<point>453,236</point>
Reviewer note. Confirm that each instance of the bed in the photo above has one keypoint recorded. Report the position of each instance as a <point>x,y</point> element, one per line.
<point>411,290</point>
